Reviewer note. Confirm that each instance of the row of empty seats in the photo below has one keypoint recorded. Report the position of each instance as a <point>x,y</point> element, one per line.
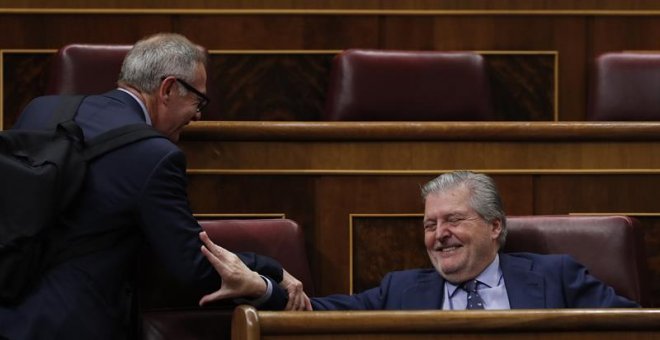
<point>381,85</point>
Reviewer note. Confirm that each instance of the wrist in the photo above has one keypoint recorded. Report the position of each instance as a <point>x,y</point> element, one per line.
<point>266,289</point>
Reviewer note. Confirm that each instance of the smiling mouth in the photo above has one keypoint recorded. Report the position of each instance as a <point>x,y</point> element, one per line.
<point>447,249</point>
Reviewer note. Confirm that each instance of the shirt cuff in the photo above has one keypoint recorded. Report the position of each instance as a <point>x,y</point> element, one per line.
<point>260,300</point>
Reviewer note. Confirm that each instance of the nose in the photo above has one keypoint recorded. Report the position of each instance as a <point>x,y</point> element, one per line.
<point>442,232</point>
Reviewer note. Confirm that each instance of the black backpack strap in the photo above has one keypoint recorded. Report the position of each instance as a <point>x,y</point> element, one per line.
<point>67,109</point>
<point>117,138</point>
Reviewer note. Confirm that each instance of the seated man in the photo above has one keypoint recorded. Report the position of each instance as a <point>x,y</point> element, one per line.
<point>464,228</point>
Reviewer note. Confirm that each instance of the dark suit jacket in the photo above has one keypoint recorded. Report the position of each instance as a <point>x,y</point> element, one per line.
<point>139,190</point>
<point>532,281</point>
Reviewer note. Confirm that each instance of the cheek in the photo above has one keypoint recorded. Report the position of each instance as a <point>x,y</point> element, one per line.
<point>429,239</point>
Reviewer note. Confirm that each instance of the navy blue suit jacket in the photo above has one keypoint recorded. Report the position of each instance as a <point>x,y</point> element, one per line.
<point>532,281</point>
<point>139,190</point>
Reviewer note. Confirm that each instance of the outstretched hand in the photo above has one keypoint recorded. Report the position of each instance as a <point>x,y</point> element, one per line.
<point>237,279</point>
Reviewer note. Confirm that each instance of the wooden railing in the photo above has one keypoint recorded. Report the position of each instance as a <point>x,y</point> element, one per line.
<point>250,324</point>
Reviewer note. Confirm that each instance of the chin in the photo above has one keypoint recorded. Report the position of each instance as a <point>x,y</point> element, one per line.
<point>450,267</point>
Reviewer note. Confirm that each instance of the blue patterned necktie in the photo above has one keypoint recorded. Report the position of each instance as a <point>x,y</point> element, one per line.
<point>474,300</point>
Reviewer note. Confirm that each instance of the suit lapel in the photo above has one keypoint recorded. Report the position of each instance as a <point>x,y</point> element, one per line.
<point>426,294</point>
<point>524,287</point>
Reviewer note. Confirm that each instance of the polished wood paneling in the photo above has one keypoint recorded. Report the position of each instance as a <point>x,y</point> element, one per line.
<point>36,31</point>
<point>267,87</point>
<point>381,244</point>
<point>24,76</point>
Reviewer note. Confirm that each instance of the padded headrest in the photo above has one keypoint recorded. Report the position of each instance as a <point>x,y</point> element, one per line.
<point>86,69</point>
<point>377,85</point>
<point>625,87</point>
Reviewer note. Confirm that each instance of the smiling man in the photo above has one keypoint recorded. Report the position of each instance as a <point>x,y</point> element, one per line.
<point>464,229</point>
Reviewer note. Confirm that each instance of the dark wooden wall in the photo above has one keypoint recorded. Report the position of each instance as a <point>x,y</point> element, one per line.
<point>304,35</point>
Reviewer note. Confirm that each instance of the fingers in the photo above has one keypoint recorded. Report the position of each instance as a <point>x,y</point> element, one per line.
<point>290,305</point>
<point>215,296</point>
<point>238,280</point>
<point>211,257</point>
<point>308,303</point>
<point>214,248</point>
<point>298,302</point>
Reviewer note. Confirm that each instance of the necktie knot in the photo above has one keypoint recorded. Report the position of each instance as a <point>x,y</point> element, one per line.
<point>474,300</point>
<point>470,286</point>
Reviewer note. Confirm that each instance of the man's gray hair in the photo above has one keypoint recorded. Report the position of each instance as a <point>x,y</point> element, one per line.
<point>484,197</point>
<point>158,56</point>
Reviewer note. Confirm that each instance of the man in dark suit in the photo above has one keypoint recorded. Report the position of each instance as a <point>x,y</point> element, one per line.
<point>464,228</point>
<point>136,194</point>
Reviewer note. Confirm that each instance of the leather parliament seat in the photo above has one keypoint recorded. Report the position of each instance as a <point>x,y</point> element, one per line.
<point>86,68</point>
<point>169,311</point>
<point>382,85</point>
<point>611,247</point>
<point>625,87</point>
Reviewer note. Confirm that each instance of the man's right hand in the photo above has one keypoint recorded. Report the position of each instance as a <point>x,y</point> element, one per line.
<point>237,279</point>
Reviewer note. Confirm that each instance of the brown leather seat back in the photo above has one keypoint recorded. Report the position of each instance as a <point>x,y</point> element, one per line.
<point>625,87</point>
<point>611,247</point>
<point>281,239</point>
<point>379,85</point>
<point>86,69</point>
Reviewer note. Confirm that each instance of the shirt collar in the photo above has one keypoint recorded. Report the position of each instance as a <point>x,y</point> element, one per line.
<point>490,276</point>
<point>147,118</point>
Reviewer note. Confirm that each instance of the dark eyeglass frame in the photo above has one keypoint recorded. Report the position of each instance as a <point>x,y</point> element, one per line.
<point>203,99</point>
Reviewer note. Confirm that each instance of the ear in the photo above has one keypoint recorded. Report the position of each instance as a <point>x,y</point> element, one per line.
<point>495,229</point>
<point>166,88</point>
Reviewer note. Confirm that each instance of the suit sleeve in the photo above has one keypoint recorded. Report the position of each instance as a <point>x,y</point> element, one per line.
<point>173,232</point>
<point>370,299</point>
<point>582,290</point>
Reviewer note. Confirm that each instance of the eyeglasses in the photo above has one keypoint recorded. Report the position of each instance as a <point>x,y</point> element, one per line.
<point>203,99</point>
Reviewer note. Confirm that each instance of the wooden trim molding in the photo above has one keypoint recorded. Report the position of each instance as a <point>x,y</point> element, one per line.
<point>341,12</point>
<point>208,216</point>
<point>421,131</point>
